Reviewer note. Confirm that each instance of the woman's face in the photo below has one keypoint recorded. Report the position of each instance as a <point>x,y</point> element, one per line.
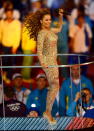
<point>46,21</point>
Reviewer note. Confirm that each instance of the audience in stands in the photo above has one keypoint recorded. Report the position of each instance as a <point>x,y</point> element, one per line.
<point>81,36</point>
<point>10,33</point>
<point>21,93</point>
<point>8,4</point>
<point>37,97</point>
<point>35,5</point>
<point>71,86</point>
<point>83,104</point>
<point>33,111</point>
<point>10,36</point>
<point>12,107</point>
<point>80,41</point>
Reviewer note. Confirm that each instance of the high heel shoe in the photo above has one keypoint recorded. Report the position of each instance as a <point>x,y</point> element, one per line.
<point>51,121</point>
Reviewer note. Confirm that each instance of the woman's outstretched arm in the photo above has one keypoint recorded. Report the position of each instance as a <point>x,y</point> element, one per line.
<point>58,29</point>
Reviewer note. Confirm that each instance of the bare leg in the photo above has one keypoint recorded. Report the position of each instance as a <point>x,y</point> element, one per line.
<point>53,79</point>
<point>53,90</point>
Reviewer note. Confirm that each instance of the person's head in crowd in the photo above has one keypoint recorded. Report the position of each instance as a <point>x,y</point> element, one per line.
<point>9,13</point>
<point>81,10</point>
<point>8,93</point>
<point>69,5</point>
<point>17,80</point>
<point>41,81</point>
<point>85,101</point>
<point>84,2</point>
<point>86,95</point>
<point>9,5</point>
<point>6,3</point>
<point>75,72</point>
<point>32,114</point>
<point>35,5</point>
<point>81,20</point>
<point>44,3</point>
<point>33,111</point>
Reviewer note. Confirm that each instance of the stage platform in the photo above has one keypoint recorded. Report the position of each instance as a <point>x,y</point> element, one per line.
<point>63,123</point>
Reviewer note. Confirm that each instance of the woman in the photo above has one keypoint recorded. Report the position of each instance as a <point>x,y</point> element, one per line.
<point>39,27</point>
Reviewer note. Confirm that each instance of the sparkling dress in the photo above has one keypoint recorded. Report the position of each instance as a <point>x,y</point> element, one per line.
<point>47,53</point>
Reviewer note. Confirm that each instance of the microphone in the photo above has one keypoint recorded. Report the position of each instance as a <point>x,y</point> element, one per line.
<point>63,12</point>
<point>66,13</point>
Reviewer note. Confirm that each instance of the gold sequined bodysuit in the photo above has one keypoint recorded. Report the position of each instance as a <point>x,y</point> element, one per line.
<point>47,53</point>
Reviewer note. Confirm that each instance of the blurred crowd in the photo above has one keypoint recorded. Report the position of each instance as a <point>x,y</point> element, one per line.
<point>23,90</point>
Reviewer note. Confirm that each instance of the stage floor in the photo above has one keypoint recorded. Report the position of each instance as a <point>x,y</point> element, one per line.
<point>63,123</point>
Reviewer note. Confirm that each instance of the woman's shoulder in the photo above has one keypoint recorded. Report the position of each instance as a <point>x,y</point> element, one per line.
<point>43,32</point>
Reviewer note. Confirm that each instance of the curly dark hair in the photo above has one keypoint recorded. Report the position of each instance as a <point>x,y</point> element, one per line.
<point>32,22</point>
